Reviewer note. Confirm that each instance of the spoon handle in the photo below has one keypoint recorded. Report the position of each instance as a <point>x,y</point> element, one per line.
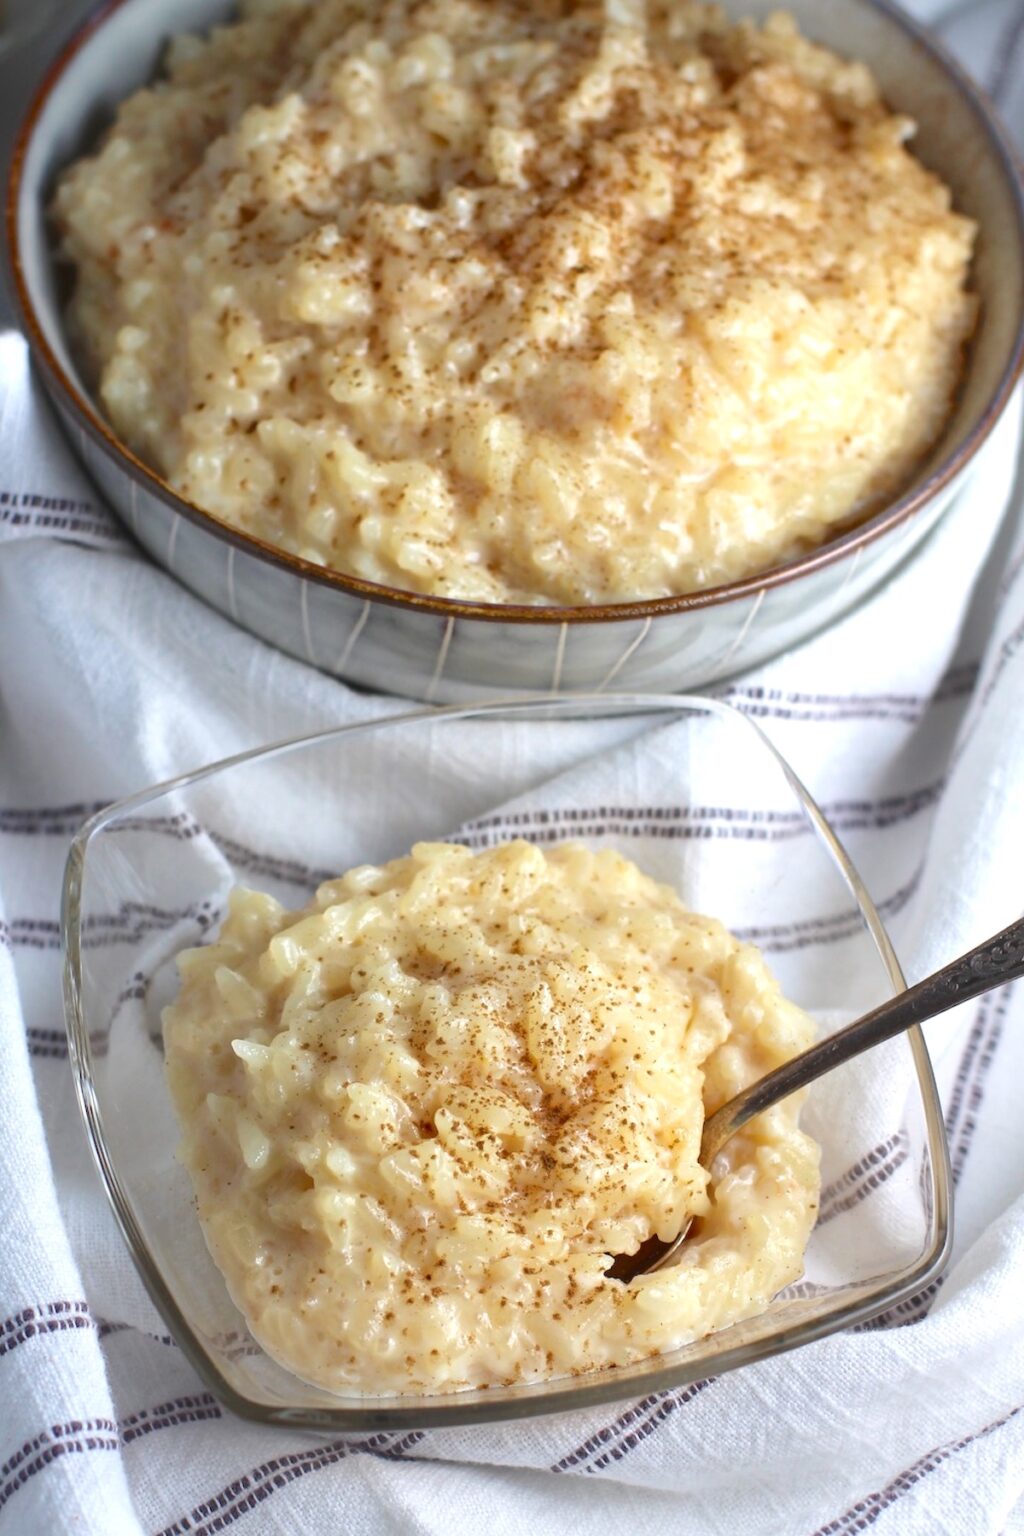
<point>999,959</point>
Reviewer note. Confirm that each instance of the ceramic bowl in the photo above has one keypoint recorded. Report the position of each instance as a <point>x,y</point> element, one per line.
<point>442,650</point>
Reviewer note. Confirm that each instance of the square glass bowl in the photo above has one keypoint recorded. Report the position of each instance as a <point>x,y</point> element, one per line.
<point>693,792</point>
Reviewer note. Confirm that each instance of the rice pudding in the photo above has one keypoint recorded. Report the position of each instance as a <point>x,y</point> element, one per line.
<point>518,300</point>
<point>423,1114</point>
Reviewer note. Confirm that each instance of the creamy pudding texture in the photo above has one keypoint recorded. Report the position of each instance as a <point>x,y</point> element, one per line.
<point>518,299</point>
<point>422,1114</point>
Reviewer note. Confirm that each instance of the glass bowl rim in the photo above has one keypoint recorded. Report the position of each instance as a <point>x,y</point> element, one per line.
<point>534,1399</point>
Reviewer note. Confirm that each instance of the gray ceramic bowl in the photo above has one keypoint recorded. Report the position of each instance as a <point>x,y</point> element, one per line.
<point>442,650</point>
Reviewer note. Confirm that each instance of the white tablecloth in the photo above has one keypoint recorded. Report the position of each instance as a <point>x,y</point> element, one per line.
<point>906,720</point>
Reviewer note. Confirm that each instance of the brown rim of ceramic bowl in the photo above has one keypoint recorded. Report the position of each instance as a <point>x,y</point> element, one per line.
<point>523,613</point>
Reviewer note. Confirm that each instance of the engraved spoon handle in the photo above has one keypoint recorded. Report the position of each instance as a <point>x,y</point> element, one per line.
<point>997,960</point>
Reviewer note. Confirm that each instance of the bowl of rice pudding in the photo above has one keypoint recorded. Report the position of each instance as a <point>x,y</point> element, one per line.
<point>378,1095</point>
<point>461,347</point>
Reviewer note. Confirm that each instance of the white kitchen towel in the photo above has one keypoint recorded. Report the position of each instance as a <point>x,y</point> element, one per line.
<point>906,721</point>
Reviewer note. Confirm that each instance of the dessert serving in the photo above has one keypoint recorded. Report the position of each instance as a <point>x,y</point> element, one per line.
<point>423,1115</point>
<point>518,300</point>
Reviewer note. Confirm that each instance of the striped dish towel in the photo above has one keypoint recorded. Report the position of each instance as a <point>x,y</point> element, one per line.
<point>907,722</point>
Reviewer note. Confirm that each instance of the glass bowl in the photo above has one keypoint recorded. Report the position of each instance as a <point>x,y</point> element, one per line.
<point>689,788</point>
<point>448,651</point>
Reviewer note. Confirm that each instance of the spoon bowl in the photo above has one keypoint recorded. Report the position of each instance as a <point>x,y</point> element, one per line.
<point>997,960</point>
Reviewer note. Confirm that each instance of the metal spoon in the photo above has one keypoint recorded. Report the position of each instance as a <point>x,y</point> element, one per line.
<point>997,960</point>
